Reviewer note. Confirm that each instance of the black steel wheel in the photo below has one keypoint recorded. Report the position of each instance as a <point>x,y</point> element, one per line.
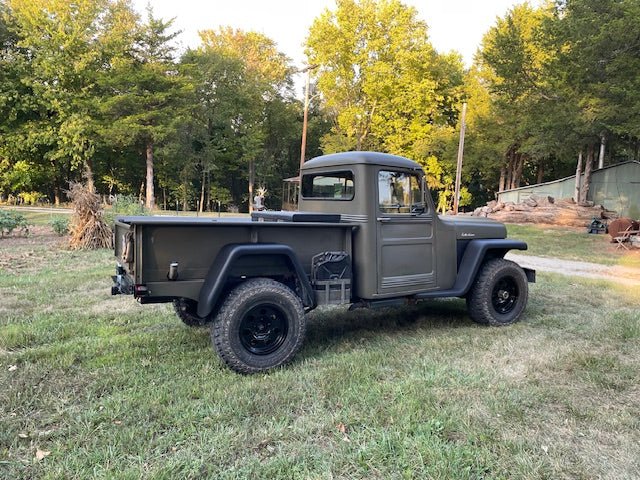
<point>499,293</point>
<point>263,329</point>
<point>260,325</point>
<point>187,311</point>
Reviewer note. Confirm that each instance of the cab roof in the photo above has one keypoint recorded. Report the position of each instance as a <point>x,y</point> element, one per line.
<point>344,159</point>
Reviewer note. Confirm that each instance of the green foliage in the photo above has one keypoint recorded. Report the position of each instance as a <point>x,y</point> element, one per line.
<point>383,84</point>
<point>30,198</point>
<point>125,205</point>
<point>11,220</point>
<point>90,89</point>
<point>60,225</point>
<point>128,205</point>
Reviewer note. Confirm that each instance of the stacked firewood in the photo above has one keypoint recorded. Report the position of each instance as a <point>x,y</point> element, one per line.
<point>545,209</point>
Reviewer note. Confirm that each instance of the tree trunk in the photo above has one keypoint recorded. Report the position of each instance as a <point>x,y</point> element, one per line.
<point>603,144</point>
<point>88,175</point>
<point>588,168</point>
<point>503,177</point>
<point>509,170</point>
<point>516,169</point>
<point>201,206</point>
<point>150,200</point>
<point>251,180</point>
<point>576,195</point>
<point>540,175</point>
<point>185,201</point>
<point>519,164</point>
<point>56,196</point>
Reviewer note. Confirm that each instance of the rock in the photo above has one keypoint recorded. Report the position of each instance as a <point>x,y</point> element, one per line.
<point>530,202</point>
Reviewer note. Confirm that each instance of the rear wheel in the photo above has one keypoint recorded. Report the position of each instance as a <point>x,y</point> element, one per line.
<point>260,325</point>
<point>187,311</point>
<point>498,294</point>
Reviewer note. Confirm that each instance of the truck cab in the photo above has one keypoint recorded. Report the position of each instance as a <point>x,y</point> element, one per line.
<point>403,247</point>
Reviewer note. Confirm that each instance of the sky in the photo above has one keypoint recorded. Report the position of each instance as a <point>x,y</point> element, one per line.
<point>453,24</point>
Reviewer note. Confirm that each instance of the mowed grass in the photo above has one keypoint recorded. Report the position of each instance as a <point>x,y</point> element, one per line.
<point>573,244</point>
<point>112,389</point>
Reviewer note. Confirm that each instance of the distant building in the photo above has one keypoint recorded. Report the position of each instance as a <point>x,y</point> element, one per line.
<point>616,187</point>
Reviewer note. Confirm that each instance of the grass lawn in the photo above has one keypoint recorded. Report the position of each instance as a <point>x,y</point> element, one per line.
<point>95,386</point>
<point>572,244</point>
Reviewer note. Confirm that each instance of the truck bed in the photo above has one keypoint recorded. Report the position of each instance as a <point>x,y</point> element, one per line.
<point>156,242</point>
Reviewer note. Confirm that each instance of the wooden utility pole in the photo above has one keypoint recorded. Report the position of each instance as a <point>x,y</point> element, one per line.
<point>456,197</point>
<point>303,146</point>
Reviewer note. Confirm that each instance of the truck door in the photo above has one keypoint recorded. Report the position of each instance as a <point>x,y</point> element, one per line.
<point>405,237</point>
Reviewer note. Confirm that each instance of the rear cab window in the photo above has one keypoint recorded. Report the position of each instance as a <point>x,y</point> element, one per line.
<point>328,186</point>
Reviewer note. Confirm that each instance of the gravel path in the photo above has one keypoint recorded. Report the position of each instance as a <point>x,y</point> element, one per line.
<point>624,275</point>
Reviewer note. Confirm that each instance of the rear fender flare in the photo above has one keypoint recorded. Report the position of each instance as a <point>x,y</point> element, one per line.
<point>220,270</point>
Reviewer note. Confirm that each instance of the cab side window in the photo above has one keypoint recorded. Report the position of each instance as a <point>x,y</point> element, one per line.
<point>399,192</point>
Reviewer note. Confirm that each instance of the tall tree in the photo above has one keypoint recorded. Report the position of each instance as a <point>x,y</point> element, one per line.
<point>60,47</point>
<point>382,82</point>
<point>242,85</point>
<point>145,93</point>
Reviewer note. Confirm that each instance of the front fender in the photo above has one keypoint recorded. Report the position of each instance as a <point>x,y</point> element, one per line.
<point>475,254</point>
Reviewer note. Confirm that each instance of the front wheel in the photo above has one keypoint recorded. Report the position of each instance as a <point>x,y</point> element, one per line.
<point>260,325</point>
<point>498,294</point>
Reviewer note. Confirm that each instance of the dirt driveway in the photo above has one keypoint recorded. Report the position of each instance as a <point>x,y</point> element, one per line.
<point>623,275</point>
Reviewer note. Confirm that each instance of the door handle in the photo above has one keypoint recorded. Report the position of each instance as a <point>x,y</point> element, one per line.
<point>383,219</point>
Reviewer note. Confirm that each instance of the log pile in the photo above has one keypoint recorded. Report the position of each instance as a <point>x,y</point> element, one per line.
<point>545,209</point>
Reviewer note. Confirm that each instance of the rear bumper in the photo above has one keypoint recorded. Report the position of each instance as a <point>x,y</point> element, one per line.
<point>122,283</point>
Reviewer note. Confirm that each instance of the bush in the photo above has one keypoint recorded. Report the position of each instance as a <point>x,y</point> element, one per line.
<point>10,221</point>
<point>60,225</point>
<point>30,198</point>
<point>125,205</point>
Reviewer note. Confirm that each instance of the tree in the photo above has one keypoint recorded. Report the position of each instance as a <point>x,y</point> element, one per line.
<point>243,92</point>
<point>383,84</point>
<point>144,94</point>
<point>60,45</point>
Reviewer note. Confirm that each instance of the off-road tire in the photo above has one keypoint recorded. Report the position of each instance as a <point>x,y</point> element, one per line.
<point>186,310</point>
<point>260,325</point>
<point>498,294</point>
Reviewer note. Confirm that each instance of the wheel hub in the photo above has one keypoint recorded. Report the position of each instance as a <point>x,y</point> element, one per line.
<point>263,329</point>
<point>505,295</point>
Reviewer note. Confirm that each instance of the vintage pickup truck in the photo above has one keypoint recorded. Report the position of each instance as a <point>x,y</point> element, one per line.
<point>366,234</point>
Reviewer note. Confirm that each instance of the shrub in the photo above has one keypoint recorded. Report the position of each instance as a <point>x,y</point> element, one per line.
<point>10,221</point>
<point>30,198</point>
<point>125,205</point>
<point>60,225</point>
